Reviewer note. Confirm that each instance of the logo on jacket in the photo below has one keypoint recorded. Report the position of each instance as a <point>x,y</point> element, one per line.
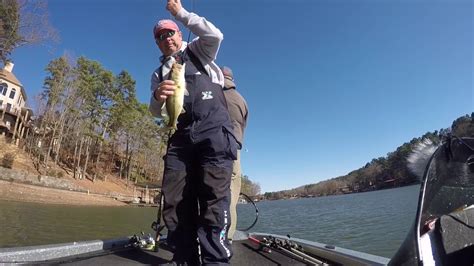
<point>207,95</point>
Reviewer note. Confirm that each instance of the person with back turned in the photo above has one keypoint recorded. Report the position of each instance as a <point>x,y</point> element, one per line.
<point>200,153</point>
<point>238,112</point>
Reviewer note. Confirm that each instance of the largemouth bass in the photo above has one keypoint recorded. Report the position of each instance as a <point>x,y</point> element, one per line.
<point>174,103</point>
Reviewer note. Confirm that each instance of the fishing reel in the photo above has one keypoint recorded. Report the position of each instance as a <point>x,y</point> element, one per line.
<point>288,248</point>
<point>285,243</point>
<point>145,242</point>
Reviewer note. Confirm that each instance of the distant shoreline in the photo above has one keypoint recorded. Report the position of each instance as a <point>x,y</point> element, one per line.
<point>18,192</point>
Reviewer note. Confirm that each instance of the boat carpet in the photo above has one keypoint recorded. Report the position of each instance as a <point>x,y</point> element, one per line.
<point>245,253</point>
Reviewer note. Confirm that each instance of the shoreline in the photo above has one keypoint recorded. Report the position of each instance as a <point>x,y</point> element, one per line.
<point>19,192</point>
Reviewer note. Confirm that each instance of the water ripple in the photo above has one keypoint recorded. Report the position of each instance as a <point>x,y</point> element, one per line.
<point>374,222</point>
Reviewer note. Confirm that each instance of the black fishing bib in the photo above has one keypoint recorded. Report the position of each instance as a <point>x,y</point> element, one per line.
<point>205,106</point>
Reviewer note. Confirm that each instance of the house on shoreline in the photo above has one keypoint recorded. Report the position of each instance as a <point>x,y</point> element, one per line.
<point>14,115</point>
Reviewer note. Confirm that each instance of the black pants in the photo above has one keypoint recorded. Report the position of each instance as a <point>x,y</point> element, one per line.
<point>196,188</point>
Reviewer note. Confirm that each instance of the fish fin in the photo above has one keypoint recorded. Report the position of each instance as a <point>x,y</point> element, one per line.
<point>172,130</point>
<point>186,92</point>
<point>164,111</point>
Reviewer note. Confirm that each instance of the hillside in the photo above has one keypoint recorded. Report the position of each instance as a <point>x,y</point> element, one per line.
<point>23,163</point>
<point>380,173</point>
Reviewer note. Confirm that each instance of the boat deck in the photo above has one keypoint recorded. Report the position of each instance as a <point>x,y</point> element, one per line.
<point>279,250</point>
<point>245,253</point>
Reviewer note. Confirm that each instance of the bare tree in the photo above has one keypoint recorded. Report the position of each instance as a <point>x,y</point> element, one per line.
<point>88,120</point>
<point>24,22</point>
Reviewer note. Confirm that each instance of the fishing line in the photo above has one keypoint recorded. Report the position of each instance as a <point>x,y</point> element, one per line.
<point>192,11</point>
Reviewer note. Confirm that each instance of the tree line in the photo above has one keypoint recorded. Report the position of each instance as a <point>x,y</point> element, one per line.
<point>90,121</point>
<point>249,188</point>
<point>384,172</point>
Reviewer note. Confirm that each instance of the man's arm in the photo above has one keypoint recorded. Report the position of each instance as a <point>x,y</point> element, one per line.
<point>206,46</point>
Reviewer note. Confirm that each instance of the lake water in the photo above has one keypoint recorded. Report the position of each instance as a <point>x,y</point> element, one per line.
<point>373,222</point>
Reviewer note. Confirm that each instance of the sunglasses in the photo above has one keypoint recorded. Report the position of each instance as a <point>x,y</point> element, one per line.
<point>165,35</point>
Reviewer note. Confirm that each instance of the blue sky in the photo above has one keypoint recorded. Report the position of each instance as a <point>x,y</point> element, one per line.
<point>330,84</point>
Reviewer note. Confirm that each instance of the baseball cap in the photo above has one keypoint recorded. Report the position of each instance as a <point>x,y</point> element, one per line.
<point>227,72</point>
<point>164,24</point>
<point>228,77</point>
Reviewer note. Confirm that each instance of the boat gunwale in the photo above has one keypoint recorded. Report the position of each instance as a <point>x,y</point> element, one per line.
<point>42,253</point>
<point>50,252</point>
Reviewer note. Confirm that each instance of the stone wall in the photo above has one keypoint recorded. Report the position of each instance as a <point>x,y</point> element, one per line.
<point>54,182</point>
<point>38,180</point>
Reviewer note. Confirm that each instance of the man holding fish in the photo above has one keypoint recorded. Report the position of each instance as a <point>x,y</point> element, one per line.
<point>187,90</point>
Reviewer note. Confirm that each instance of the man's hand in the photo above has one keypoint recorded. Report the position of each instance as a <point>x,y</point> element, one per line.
<point>165,89</point>
<point>174,6</point>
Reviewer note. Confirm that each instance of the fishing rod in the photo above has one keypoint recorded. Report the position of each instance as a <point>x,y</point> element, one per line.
<point>287,248</point>
<point>256,212</point>
<point>156,225</point>
<point>192,10</point>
